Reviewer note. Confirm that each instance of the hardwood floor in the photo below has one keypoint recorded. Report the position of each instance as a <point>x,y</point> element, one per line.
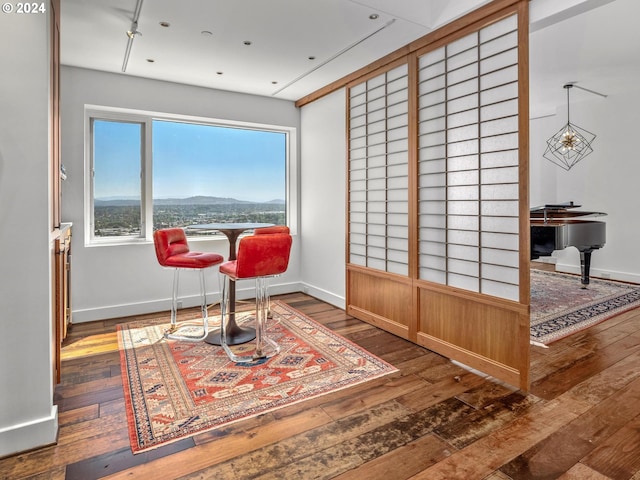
<point>431,420</point>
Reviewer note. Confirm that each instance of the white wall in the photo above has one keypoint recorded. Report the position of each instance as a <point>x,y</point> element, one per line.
<point>28,418</point>
<point>605,181</point>
<point>323,196</point>
<point>120,280</point>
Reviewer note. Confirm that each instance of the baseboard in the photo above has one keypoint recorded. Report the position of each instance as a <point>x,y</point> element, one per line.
<point>244,290</point>
<point>546,260</point>
<point>325,296</point>
<point>29,435</point>
<point>598,273</point>
<point>139,308</point>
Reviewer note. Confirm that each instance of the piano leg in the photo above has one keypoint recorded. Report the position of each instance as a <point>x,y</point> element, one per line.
<point>585,265</point>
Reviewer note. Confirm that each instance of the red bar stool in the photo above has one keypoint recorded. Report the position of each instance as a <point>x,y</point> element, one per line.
<point>270,231</point>
<point>173,251</point>
<point>259,257</point>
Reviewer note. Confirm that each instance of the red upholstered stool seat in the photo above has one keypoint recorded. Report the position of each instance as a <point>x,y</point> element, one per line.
<point>172,251</point>
<point>259,257</point>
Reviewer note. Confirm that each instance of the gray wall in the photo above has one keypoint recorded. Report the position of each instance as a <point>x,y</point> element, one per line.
<point>604,181</point>
<point>118,280</point>
<point>323,197</point>
<point>27,416</point>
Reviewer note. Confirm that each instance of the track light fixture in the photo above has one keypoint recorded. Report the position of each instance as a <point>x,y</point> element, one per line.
<point>132,33</point>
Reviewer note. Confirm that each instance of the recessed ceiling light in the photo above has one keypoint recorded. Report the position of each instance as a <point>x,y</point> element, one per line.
<point>164,24</point>
<point>206,33</point>
<point>374,16</point>
<point>247,42</point>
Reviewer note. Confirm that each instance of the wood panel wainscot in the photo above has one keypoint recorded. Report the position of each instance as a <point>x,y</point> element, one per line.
<point>445,320</point>
<point>381,299</point>
<point>448,322</point>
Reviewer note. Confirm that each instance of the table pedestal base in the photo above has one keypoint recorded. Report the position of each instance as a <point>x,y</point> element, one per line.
<point>236,336</point>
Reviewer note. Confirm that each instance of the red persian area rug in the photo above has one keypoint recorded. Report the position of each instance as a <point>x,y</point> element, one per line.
<point>176,389</point>
<point>560,307</point>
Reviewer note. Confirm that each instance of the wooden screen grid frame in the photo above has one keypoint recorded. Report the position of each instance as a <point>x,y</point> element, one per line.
<point>455,276</point>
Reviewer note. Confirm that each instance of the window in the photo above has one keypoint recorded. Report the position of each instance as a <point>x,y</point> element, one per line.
<point>156,171</point>
<point>117,188</point>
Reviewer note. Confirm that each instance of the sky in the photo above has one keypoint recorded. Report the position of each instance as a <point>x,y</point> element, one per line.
<point>190,159</point>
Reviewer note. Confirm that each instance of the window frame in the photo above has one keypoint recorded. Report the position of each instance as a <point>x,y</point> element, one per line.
<point>146,119</point>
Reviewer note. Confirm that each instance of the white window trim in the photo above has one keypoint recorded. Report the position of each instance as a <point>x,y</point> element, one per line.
<point>146,118</point>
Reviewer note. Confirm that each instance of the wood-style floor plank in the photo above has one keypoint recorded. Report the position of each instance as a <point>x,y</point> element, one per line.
<point>594,428</point>
<point>432,419</point>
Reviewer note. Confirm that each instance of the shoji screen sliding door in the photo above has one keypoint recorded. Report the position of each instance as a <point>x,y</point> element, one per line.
<point>379,200</point>
<point>438,203</point>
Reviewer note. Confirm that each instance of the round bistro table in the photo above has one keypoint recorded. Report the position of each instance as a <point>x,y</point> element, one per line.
<point>236,335</point>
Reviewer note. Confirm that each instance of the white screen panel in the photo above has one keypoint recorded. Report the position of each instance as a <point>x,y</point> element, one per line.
<point>468,186</point>
<point>503,241</point>
<point>463,222</point>
<point>464,252</point>
<point>462,162</point>
<point>469,207</point>
<point>499,175</point>
<point>433,111</point>
<point>433,262</point>
<point>498,110</point>
<point>434,221</point>
<point>500,224</point>
<point>458,149</point>
<point>463,237</point>
<point>500,94</point>
<point>501,274</point>
<point>463,267</point>
<point>499,61</point>
<point>397,268</point>
<point>505,258</point>
<point>436,235</point>
<point>465,282</point>
<point>433,249</point>
<point>502,290</point>
<point>378,221</point>
<point>468,117</point>
<point>464,177</point>
<point>360,260</point>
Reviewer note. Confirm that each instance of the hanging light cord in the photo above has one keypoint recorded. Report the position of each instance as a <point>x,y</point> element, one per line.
<point>568,87</point>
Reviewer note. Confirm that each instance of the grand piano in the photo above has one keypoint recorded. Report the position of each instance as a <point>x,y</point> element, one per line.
<point>558,226</point>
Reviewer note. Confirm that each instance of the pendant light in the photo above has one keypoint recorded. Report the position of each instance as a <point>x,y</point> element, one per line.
<point>570,144</point>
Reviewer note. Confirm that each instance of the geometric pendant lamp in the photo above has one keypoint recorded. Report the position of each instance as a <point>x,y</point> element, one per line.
<point>570,144</point>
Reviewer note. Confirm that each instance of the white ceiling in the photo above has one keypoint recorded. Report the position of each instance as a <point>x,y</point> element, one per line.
<point>599,48</point>
<point>283,33</point>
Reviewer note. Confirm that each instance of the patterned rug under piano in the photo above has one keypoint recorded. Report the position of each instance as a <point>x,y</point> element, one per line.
<point>561,307</point>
